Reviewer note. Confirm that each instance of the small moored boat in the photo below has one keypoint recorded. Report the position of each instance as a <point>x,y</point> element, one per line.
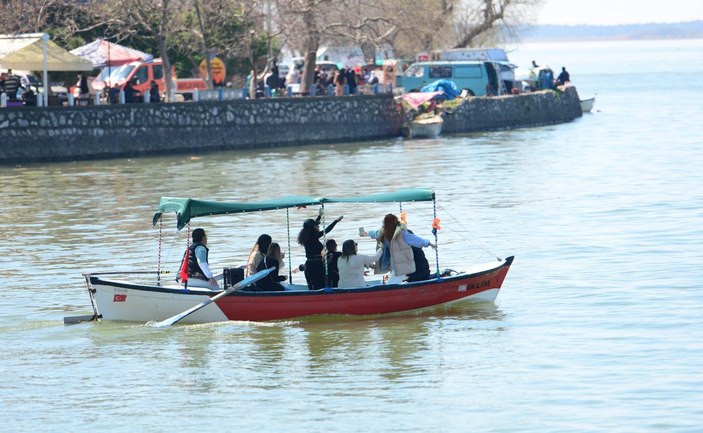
<point>428,127</point>
<point>587,104</point>
<point>142,296</point>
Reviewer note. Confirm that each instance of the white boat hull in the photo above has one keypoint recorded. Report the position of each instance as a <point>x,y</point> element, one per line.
<point>429,127</point>
<point>131,301</point>
<point>587,104</point>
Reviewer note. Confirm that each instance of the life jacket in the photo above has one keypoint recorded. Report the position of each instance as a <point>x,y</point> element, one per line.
<point>194,270</point>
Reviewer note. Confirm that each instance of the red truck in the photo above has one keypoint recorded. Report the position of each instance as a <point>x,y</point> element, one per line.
<point>141,73</point>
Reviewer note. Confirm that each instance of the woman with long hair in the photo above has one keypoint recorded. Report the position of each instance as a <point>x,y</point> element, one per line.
<point>352,266</point>
<point>309,237</point>
<point>397,242</point>
<point>258,251</point>
<point>272,259</point>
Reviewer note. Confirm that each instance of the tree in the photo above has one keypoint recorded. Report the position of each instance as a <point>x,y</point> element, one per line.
<point>217,26</point>
<point>480,22</point>
<point>156,21</point>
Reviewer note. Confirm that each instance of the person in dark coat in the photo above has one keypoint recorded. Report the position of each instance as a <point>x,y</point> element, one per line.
<point>332,269</point>
<point>309,237</point>
<point>351,81</point>
<point>130,94</point>
<point>422,266</point>
<point>154,95</point>
<point>273,80</point>
<point>563,77</point>
<point>272,260</point>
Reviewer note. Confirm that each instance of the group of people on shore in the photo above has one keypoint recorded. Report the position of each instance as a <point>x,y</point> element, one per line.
<point>398,254</point>
<point>349,78</point>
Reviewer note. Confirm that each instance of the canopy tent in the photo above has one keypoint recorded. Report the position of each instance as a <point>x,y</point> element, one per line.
<point>27,52</point>
<point>103,53</point>
<point>35,52</point>
<point>187,208</point>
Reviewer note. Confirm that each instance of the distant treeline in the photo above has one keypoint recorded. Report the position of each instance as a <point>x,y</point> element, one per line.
<point>687,30</point>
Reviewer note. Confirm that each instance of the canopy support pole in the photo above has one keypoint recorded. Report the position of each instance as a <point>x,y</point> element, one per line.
<point>434,231</point>
<point>158,260</point>
<point>324,243</point>
<point>290,267</point>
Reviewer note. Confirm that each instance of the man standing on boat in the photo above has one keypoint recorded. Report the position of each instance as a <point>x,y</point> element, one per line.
<point>199,273</point>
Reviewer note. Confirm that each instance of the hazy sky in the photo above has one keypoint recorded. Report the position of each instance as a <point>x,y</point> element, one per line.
<point>607,12</point>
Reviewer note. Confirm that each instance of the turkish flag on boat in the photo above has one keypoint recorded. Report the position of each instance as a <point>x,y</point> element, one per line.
<point>183,273</point>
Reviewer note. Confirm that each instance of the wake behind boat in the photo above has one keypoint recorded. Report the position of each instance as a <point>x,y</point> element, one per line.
<point>142,296</point>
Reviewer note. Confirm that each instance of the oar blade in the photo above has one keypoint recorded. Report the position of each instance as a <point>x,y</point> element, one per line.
<point>245,282</point>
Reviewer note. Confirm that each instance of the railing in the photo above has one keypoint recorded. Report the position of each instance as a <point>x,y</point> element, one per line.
<point>220,94</point>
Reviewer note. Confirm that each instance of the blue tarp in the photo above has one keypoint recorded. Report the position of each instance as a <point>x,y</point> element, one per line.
<point>447,86</point>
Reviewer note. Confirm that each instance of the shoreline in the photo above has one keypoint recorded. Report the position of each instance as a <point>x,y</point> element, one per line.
<point>49,134</point>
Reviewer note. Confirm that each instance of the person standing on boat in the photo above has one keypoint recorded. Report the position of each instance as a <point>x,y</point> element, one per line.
<point>397,242</point>
<point>352,266</point>
<point>309,237</point>
<point>199,273</point>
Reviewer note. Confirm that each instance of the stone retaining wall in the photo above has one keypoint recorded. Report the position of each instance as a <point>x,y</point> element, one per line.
<point>514,111</point>
<point>30,134</point>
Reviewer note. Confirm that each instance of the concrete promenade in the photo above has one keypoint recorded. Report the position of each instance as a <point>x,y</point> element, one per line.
<point>31,134</point>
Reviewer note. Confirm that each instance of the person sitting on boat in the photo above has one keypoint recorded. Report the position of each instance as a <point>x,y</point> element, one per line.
<point>272,259</point>
<point>422,266</point>
<point>199,273</point>
<point>257,253</point>
<point>309,237</point>
<point>332,256</point>
<point>397,242</point>
<point>352,266</point>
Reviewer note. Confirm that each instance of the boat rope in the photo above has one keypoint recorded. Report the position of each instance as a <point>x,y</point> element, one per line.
<point>158,260</point>
<point>290,267</point>
<point>474,239</point>
<point>435,229</point>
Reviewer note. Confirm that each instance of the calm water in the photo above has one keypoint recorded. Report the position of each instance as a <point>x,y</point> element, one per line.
<point>597,328</point>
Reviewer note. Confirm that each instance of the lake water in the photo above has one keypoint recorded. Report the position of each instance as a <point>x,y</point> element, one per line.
<point>597,328</point>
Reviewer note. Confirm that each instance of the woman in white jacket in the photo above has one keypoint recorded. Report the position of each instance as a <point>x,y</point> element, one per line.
<point>352,265</point>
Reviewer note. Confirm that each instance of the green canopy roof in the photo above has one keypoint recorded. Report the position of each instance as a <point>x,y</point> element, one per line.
<point>188,208</point>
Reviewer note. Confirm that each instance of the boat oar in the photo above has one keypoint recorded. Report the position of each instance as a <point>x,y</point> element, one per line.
<point>245,282</point>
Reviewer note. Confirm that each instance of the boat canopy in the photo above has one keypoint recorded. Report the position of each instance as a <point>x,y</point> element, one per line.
<point>188,208</point>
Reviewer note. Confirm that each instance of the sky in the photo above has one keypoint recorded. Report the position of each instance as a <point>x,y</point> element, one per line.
<point>612,12</point>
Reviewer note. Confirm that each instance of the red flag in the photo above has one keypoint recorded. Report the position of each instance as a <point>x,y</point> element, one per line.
<point>183,273</point>
<point>119,298</point>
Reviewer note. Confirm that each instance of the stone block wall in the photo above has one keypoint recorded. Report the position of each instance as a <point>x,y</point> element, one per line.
<point>514,111</point>
<point>31,134</point>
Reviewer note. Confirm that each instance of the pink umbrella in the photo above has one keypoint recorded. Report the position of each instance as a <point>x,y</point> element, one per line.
<point>105,53</point>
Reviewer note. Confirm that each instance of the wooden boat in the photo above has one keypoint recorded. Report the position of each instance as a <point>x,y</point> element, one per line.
<point>117,296</point>
<point>427,127</point>
<point>587,104</point>
<point>421,123</point>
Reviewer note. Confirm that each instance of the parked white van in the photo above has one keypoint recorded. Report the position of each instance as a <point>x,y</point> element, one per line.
<point>477,77</point>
